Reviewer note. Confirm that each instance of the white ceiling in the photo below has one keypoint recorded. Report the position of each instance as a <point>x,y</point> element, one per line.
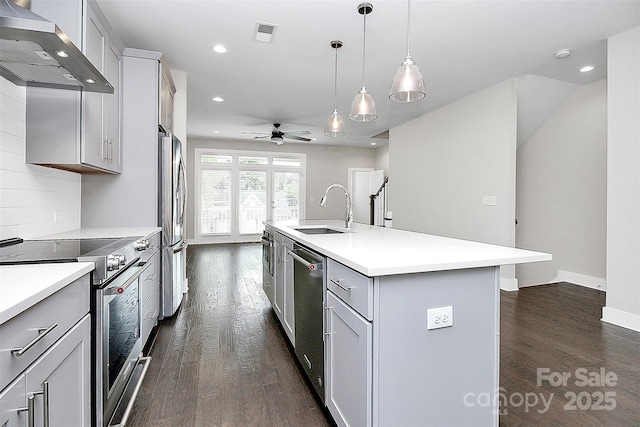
<point>460,47</point>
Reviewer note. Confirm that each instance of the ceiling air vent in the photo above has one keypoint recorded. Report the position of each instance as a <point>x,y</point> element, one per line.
<point>264,32</point>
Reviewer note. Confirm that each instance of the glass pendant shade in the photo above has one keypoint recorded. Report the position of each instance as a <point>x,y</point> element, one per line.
<point>408,84</point>
<point>363,109</point>
<point>335,125</point>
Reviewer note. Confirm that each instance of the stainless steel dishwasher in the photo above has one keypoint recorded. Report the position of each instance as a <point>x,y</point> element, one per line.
<point>309,286</point>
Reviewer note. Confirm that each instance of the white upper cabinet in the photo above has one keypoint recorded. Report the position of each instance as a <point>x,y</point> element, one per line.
<point>79,131</point>
<point>167,92</point>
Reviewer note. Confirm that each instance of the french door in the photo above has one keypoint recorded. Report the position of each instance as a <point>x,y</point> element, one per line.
<point>237,191</point>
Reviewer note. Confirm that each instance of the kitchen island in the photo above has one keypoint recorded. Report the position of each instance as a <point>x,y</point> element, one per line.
<point>411,323</point>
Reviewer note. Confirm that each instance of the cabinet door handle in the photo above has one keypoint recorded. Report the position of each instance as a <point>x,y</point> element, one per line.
<point>45,402</point>
<point>31,411</point>
<point>42,332</point>
<point>340,285</point>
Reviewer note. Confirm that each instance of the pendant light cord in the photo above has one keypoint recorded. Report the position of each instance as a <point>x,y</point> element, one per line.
<point>408,25</point>
<point>364,44</point>
<point>335,83</point>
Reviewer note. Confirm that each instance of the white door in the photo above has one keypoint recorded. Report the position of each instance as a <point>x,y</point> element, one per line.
<point>286,196</point>
<point>239,190</point>
<point>252,201</point>
<point>362,184</point>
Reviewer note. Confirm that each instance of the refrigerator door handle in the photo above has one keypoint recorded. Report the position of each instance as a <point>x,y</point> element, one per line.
<point>183,188</point>
<point>180,246</point>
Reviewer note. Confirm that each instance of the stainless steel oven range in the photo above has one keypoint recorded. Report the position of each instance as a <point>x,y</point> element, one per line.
<point>119,366</point>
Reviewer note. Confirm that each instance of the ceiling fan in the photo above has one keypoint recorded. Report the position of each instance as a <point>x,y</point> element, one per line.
<point>277,136</point>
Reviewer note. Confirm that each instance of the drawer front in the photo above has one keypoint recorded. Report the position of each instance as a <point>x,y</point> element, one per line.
<point>150,313</point>
<point>63,309</point>
<point>352,287</point>
<point>150,278</point>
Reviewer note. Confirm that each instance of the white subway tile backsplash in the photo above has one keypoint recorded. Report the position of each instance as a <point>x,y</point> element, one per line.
<point>12,107</point>
<point>11,144</point>
<point>11,125</point>
<point>12,91</point>
<point>30,194</point>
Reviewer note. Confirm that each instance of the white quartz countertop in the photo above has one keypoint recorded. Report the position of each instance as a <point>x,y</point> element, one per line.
<point>101,233</point>
<point>23,286</point>
<point>379,251</point>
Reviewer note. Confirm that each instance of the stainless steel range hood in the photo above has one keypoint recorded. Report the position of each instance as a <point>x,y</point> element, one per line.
<point>35,52</point>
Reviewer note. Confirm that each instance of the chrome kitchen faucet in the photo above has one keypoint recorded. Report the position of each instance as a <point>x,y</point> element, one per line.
<point>349,214</point>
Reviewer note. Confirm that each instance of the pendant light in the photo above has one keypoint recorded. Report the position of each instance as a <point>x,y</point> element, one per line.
<point>408,85</point>
<point>363,109</point>
<point>335,124</point>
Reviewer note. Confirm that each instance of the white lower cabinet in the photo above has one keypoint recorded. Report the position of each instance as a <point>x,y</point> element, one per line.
<point>150,290</point>
<point>288,315</point>
<point>280,290</point>
<point>55,389</point>
<point>349,358</point>
<point>278,276</point>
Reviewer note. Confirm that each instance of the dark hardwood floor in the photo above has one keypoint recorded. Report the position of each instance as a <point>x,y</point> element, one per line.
<point>223,359</point>
<point>589,370</point>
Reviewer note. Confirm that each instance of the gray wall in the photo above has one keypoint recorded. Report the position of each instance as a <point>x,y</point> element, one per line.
<point>561,192</point>
<point>623,181</point>
<point>443,163</point>
<point>325,166</point>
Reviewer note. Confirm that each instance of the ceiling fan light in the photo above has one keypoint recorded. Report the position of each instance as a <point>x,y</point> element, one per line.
<point>335,125</point>
<point>363,109</point>
<point>408,84</point>
<point>277,139</point>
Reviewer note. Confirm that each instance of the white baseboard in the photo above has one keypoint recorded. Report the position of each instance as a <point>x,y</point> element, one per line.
<point>224,239</point>
<point>621,318</point>
<point>581,279</point>
<point>508,284</point>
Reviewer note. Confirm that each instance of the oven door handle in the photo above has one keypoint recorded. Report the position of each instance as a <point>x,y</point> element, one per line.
<point>115,290</point>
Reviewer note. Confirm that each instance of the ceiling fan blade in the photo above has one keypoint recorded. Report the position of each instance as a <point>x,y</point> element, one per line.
<point>297,132</point>
<point>299,138</point>
<point>254,133</point>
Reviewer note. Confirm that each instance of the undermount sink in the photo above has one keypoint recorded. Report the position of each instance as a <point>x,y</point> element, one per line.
<point>318,230</point>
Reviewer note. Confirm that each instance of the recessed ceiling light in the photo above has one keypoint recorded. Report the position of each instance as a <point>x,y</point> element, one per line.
<point>62,54</point>
<point>587,68</point>
<point>374,143</point>
<point>216,131</point>
<point>219,49</point>
<point>217,99</point>
<point>563,53</point>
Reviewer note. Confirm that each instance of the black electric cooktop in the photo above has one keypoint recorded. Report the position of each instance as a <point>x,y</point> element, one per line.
<point>43,251</point>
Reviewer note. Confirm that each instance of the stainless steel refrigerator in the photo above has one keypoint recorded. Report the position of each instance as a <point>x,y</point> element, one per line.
<point>172,209</point>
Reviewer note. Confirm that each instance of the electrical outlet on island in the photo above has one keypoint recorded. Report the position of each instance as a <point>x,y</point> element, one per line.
<point>441,317</point>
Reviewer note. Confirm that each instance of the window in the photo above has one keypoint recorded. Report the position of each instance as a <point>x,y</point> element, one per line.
<point>239,190</point>
<point>215,201</point>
